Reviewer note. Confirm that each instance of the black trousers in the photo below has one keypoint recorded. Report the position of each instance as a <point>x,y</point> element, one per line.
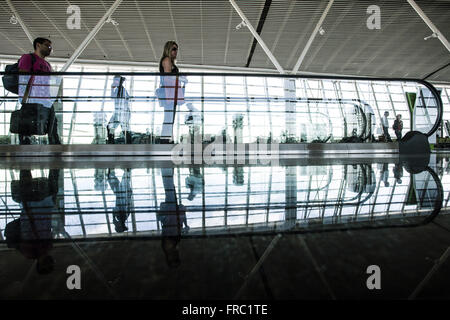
<point>52,130</point>
<point>386,134</point>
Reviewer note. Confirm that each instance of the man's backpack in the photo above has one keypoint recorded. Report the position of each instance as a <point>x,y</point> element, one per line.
<point>11,81</point>
<point>37,190</point>
<point>12,233</point>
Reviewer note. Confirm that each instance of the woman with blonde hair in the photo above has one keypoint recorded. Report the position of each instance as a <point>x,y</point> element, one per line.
<point>172,90</point>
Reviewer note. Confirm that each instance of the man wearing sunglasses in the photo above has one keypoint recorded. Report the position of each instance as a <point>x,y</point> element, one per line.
<point>39,87</point>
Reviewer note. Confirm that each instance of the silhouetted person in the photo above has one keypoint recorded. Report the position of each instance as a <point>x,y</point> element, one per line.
<point>36,90</point>
<point>172,217</point>
<point>385,125</point>
<point>398,127</point>
<point>172,89</point>
<point>194,182</point>
<point>124,199</point>
<point>31,234</point>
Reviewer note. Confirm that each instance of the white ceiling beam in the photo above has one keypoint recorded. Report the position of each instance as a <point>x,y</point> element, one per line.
<point>19,19</point>
<point>430,24</point>
<point>257,37</point>
<point>125,44</point>
<point>54,25</point>
<point>311,38</point>
<point>283,25</point>
<point>95,40</point>
<point>90,36</point>
<point>144,25</point>
<point>12,41</point>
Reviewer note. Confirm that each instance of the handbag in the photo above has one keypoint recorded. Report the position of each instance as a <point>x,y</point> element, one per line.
<point>31,118</point>
<point>36,190</point>
<point>160,94</point>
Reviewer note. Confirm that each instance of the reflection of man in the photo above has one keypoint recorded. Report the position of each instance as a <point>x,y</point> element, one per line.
<point>398,172</point>
<point>31,234</point>
<point>37,89</point>
<point>194,182</point>
<point>172,217</point>
<point>385,175</point>
<point>124,199</point>
<point>99,180</point>
<point>121,114</point>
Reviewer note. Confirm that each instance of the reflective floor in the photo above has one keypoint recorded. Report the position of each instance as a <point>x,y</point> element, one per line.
<point>304,229</point>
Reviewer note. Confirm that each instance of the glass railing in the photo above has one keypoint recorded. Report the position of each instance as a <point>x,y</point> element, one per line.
<point>99,108</point>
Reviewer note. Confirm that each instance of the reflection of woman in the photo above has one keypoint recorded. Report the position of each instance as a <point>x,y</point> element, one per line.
<point>172,217</point>
<point>124,198</point>
<point>172,89</point>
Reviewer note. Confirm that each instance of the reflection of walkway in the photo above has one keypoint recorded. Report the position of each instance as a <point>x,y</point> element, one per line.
<point>172,217</point>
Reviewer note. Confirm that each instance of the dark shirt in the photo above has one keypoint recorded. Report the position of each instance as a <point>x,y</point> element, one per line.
<point>398,125</point>
<point>161,68</point>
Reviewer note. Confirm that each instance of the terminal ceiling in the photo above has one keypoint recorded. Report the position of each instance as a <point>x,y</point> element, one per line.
<point>207,35</point>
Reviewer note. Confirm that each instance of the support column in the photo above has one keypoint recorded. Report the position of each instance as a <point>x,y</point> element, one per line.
<point>311,38</point>
<point>19,19</point>
<point>430,24</point>
<point>257,37</point>
<point>290,108</point>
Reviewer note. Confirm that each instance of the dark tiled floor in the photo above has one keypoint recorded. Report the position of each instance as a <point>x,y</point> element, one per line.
<point>217,268</point>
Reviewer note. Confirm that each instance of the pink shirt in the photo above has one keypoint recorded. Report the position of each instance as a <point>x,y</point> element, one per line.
<point>40,85</point>
<point>40,65</point>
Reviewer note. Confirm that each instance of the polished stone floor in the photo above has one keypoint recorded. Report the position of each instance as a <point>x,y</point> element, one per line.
<point>301,229</point>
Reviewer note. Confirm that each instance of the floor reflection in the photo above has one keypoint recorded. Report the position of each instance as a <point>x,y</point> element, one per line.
<point>198,217</point>
<point>95,203</point>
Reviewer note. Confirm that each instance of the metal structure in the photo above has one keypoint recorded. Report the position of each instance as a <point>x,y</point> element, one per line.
<point>207,35</point>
